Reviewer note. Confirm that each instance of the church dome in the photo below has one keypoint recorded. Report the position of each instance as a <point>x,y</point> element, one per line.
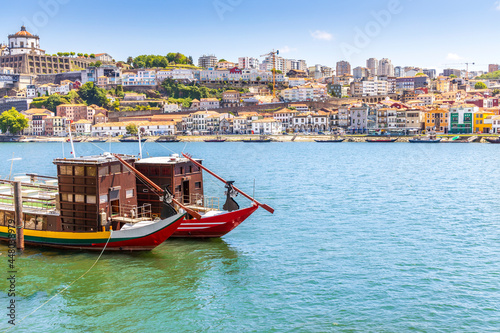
<point>23,33</point>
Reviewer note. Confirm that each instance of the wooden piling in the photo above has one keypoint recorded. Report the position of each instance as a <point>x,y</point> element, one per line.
<point>18,207</point>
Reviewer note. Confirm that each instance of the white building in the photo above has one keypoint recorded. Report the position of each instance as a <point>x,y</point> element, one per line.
<point>104,57</point>
<point>248,63</point>
<point>267,126</point>
<point>82,127</point>
<point>24,42</point>
<point>143,77</point>
<point>175,74</point>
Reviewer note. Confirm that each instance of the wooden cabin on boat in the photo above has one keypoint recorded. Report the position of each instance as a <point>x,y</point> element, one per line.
<point>183,178</point>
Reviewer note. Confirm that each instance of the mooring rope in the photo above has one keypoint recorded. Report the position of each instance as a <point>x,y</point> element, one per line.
<point>60,292</point>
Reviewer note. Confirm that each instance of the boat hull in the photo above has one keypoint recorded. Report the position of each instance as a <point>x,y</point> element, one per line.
<point>425,141</point>
<point>213,226</point>
<point>143,238</point>
<point>214,140</point>
<point>330,141</point>
<point>382,141</point>
<point>494,141</point>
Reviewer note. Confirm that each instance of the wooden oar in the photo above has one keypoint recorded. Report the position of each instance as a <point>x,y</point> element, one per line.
<point>266,207</point>
<point>158,189</point>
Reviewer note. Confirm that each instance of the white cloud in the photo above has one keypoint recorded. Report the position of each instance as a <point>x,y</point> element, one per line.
<point>321,35</point>
<point>453,56</point>
<point>497,5</point>
<point>287,49</point>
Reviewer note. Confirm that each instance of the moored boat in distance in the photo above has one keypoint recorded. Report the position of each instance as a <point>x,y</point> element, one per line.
<point>432,138</point>
<point>262,138</point>
<point>131,139</point>
<point>494,141</point>
<point>388,140</point>
<point>170,138</point>
<point>92,207</point>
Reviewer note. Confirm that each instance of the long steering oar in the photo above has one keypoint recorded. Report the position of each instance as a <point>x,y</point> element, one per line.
<point>159,191</point>
<point>266,207</point>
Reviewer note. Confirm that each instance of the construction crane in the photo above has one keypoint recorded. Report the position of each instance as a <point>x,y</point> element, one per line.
<point>273,55</point>
<point>467,68</point>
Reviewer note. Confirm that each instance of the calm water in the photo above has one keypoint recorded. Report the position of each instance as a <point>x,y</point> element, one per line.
<point>366,237</point>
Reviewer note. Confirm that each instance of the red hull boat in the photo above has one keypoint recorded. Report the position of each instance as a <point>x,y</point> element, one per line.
<point>214,226</point>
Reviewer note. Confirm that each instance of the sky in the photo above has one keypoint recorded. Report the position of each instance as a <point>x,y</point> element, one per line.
<point>429,34</point>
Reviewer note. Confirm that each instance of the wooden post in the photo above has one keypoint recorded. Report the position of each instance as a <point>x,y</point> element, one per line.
<point>18,207</point>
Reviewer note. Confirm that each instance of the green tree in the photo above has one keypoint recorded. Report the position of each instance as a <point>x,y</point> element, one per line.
<point>12,121</point>
<point>80,54</point>
<point>419,74</point>
<point>92,94</point>
<point>258,78</point>
<point>130,60</point>
<point>98,63</point>
<point>480,85</point>
<point>453,76</point>
<point>59,54</point>
<point>72,54</point>
<point>86,55</point>
<point>222,60</point>
<point>54,101</point>
<point>495,92</point>
<point>131,129</point>
<point>92,56</point>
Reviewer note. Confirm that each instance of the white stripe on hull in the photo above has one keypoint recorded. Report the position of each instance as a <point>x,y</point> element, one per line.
<point>207,223</point>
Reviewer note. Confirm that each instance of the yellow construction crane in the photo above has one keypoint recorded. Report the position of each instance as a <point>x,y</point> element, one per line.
<point>273,54</point>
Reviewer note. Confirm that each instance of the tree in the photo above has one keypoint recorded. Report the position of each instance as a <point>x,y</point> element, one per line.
<point>480,85</point>
<point>98,63</point>
<point>419,74</point>
<point>92,94</point>
<point>223,60</point>
<point>72,54</point>
<point>86,55</point>
<point>453,76</point>
<point>12,121</point>
<point>131,129</point>
<point>258,78</point>
<point>54,101</point>
<point>495,92</point>
<point>92,56</point>
<point>80,54</point>
<point>115,106</point>
<point>130,60</point>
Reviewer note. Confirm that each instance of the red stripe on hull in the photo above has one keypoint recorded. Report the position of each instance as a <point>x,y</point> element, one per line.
<point>229,222</point>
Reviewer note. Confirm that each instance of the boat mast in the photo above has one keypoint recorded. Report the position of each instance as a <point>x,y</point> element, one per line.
<point>71,140</point>
<point>266,207</point>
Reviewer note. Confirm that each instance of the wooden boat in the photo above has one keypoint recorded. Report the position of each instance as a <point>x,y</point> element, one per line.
<point>131,140</point>
<point>74,140</point>
<point>172,138</point>
<point>330,141</point>
<point>262,138</point>
<point>432,138</point>
<point>94,206</point>
<point>494,141</point>
<point>381,140</point>
<point>98,141</point>
<point>186,178</point>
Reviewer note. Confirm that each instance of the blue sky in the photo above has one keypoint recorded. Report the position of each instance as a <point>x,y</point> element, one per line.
<point>415,33</point>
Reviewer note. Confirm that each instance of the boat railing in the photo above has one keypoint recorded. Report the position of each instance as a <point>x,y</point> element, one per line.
<point>39,204</point>
<point>135,212</point>
<point>204,201</point>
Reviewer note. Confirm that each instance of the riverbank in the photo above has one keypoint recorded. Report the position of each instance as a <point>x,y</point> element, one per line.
<point>275,138</point>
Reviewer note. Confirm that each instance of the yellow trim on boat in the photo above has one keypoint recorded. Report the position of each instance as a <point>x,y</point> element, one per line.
<point>62,234</point>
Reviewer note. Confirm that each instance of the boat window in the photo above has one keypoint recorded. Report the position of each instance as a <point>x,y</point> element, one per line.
<point>66,170</point>
<point>103,171</point>
<point>91,171</point>
<point>67,197</point>
<point>79,198</point>
<point>91,199</point>
<point>80,171</point>
<point>2,218</point>
<point>190,169</point>
<point>115,168</point>
<point>129,193</point>
<point>178,188</point>
<point>8,216</point>
<point>197,185</point>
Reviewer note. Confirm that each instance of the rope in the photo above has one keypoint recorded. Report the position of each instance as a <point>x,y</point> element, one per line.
<point>96,146</point>
<point>60,292</point>
<point>166,148</point>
